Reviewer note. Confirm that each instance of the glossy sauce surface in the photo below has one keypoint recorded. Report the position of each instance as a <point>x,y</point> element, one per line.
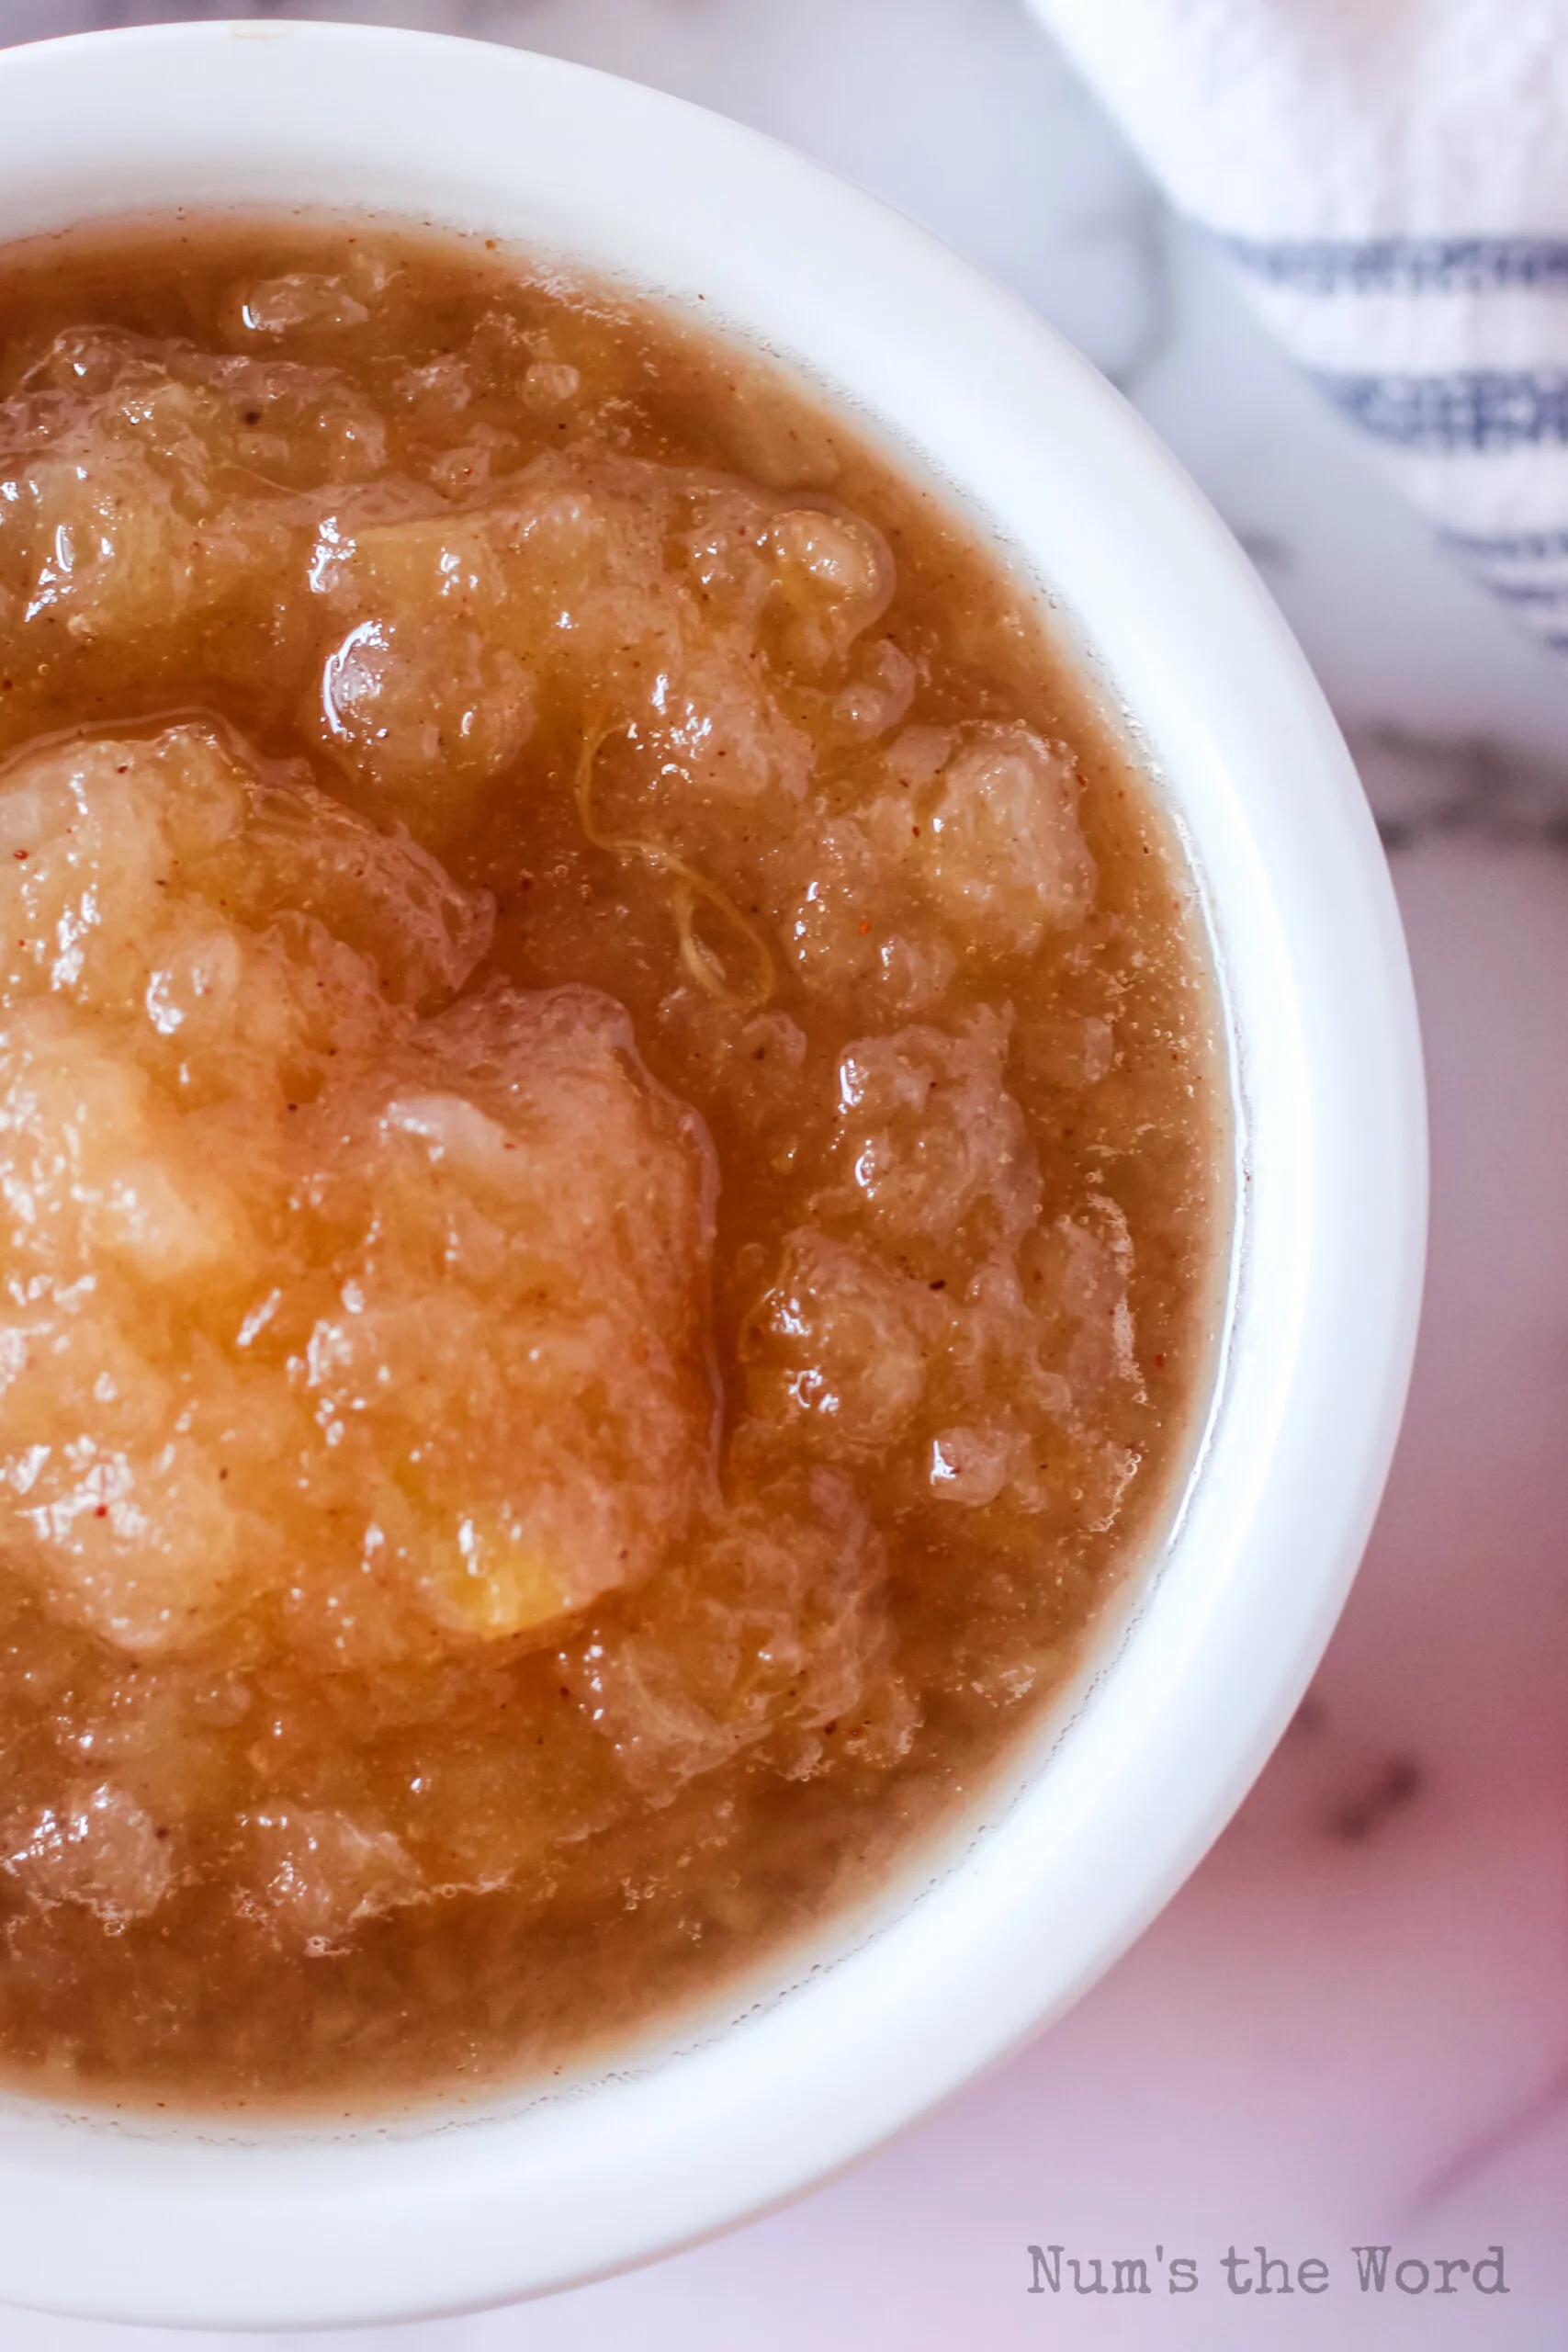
<point>611,1166</point>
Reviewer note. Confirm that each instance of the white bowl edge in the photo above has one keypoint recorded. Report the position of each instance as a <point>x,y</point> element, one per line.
<point>333,2228</point>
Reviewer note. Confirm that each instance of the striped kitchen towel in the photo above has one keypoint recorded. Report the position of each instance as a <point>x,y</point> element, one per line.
<point>1388,179</point>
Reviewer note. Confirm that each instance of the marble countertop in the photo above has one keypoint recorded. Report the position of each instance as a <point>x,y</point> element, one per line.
<point>1351,2026</point>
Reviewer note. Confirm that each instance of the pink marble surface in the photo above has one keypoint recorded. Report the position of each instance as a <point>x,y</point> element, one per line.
<point>1351,2027</point>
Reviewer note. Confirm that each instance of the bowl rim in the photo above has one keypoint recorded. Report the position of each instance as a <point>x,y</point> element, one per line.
<point>316,2227</point>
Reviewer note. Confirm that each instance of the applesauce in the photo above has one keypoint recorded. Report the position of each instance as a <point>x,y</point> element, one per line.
<point>613,1154</point>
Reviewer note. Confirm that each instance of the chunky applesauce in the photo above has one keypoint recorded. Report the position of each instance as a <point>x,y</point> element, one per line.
<point>611,1165</point>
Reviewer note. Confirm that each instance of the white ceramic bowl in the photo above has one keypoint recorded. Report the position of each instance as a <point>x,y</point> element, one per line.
<point>1112,1808</point>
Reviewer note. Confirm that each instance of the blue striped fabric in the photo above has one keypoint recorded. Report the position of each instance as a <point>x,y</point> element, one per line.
<point>1503,545</point>
<point>1526,570</point>
<point>1403,264</point>
<point>1387,182</point>
<point>1467,417</point>
<point>1529,592</point>
<point>1469,409</point>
